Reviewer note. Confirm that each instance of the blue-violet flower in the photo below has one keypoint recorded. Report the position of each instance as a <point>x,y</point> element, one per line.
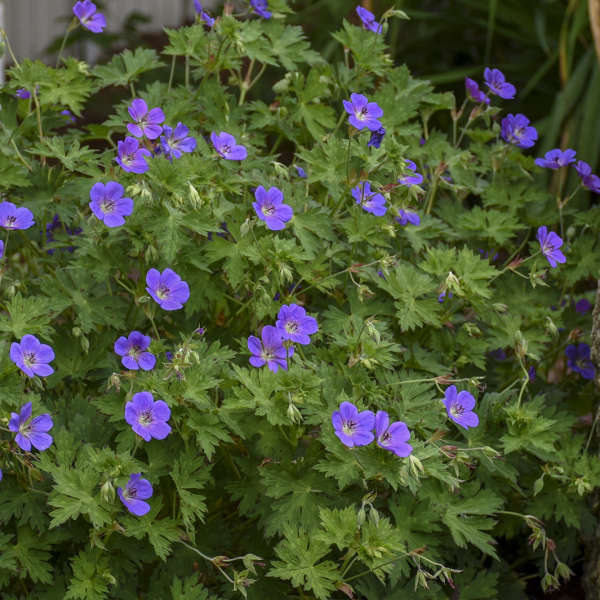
<point>176,141</point>
<point>555,159</point>
<point>368,19</point>
<point>85,11</point>
<point>12,217</point>
<point>148,418</point>
<point>351,427</point>
<point>33,433</point>
<point>459,406</point>
<point>495,80</point>
<point>131,157</point>
<point>376,138</point>
<point>578,360</point>
<point>167,289</point>
<point>405,217</point>
<point>32,357</point>
<point>473,91</point>
<point>261,8</point>
<point>133,351</point>
<point>363,113</point>
<point>588,179</point>
<point>550,243</point>
<point>136,491</point>
<point>226,145</point>
<point>270,350</point>
<point>146,123</point>
<point>294,324</point>
<point>516,130</point>
<point>392,437</point>
<point>269,208</point>
<point>108,204</point>
<point>372,202</point>
<point>413,179</point>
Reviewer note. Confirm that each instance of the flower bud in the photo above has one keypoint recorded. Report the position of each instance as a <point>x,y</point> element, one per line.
<point>194,196</point>
<point>293,413</point>
<point>114,381</point>
<point>551,327</point>
<point>107,491</point>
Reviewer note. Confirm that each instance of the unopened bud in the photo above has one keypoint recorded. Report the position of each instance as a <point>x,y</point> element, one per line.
<point>114,381</point>
<point>245,227</point>
<point>194,196</point>
<point>551,327</point>
<point>107,491</point>
<point>293,413</point>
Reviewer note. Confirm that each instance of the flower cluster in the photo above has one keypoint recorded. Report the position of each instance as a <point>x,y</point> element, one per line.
<point>355,428</point>
<point>293,326</point>
<point>557,158</point>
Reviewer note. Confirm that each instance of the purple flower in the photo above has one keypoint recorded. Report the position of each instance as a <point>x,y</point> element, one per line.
<point>473,91</point>
<point>269,208</point>
<point>67,113</point>
<point>363,113</point>
<point>301,172</point>
<point>550,243</point>
<point>32,433</point>
<point>516,130</point>
<point>368,19</point>
<point>167,288</point>
<point>132,349</point>
<point>145,122</point>
<point>554,159</point>
<point>270,350</point>
<point>392,437</point>
<point>578,360</point>
<point>12,217</point>
<point>208,20</point>
<point>588,180</point>
<point>531,373</point>
<point>136,491</point>
<point>1,248</point>
<point>85,11</point>
<point>131,156</point>
<point>459,407</point>
<point>227,147</point>
<point>582,306</point>
<point>32,357</point>
<point>108,203</point>
<point>176,141</point>
<point>495,80</point>
<point>376,137</point>
<point>408,217</point>
<point>23,94</point>
<point>410,180</point>
<point>442,297</point>
<point>370,201</point>
<point>148,418</point>
<point>294,324</point>
<point>261,8</point>
<point>351,427</point>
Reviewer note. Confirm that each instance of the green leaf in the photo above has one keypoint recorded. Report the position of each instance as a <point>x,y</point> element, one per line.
<point>91,576</point>
<point>300,562</point>
<point>125,68</point>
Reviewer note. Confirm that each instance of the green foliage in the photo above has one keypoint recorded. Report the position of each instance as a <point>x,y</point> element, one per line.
<point>253,493</point>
